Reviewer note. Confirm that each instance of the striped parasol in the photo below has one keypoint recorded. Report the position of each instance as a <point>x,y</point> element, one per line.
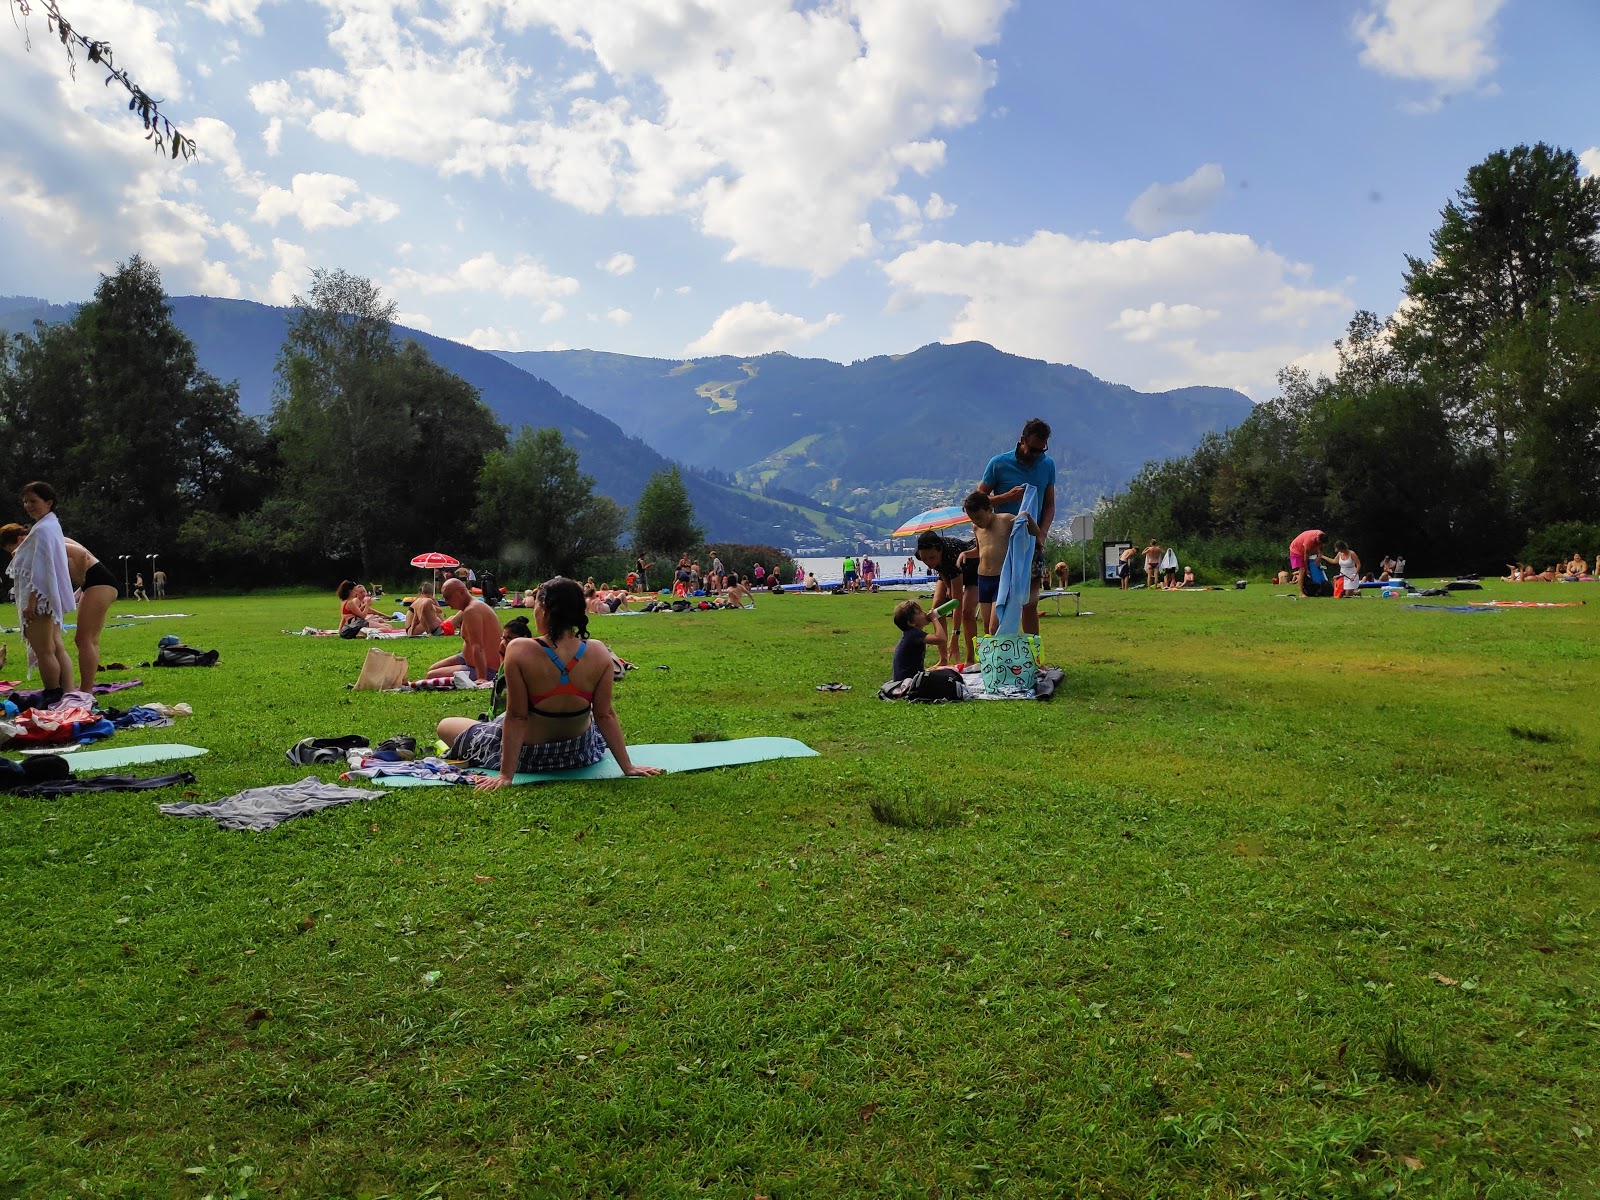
<point>934,518</point>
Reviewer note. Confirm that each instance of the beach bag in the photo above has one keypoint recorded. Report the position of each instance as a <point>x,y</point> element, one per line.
<point>936,686</point>
<point>1009,664</point>
<point>381,671</point>
<point>353,627</point>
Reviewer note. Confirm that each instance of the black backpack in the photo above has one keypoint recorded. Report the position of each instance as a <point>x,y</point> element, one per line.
<point>186,656</point>
<point>931,687</point>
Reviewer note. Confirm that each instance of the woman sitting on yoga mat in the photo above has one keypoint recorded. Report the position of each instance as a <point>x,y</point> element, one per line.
<point>558,699</point>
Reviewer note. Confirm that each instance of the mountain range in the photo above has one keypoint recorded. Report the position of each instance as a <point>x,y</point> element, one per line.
<point>784,450</point>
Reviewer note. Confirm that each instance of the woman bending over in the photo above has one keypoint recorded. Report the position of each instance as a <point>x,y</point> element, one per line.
<point>558,699</point>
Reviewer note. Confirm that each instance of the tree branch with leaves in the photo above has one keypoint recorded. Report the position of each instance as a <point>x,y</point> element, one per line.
<point>159,131</point>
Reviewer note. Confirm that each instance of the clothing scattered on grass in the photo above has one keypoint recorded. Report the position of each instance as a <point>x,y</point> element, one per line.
<point>308,751</point>
<point>140,716</point>
<point>266,808</point>
<point>65,723</point>
<point>105,783</point>
<point>1459,608</point>
<point>422,768</point>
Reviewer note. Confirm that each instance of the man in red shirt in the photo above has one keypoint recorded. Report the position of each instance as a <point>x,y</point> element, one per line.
<point>1301,551</point>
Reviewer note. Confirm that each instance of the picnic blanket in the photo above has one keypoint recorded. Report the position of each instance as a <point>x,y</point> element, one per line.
<point>670,756</point>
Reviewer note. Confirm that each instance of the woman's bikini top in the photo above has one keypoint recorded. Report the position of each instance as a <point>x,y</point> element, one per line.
<point>565,688</point>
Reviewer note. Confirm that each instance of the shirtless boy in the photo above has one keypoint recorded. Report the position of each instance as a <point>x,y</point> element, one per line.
<point>480,636</point>
<point>424,618</point>
<point>994,535</point>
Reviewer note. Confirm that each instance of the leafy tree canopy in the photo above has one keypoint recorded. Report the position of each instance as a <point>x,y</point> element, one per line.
<point>663,520</point>
<point>538,514</point>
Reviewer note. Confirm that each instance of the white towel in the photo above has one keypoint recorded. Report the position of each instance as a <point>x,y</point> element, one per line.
<point>40,568</point>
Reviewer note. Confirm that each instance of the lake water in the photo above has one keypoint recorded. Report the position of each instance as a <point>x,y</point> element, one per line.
<point>831,570</point>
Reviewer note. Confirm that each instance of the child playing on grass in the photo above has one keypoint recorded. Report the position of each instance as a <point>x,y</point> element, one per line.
<point>911,654</point>
<point>994,535</point>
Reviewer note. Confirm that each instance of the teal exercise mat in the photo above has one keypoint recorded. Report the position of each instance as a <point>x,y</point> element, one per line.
<point>126,756</point>
<point>670,756</point>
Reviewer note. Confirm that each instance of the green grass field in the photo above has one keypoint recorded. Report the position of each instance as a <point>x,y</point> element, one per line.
<point>1277,898</point>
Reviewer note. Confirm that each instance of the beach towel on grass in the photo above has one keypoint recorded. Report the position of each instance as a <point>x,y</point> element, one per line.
<point>671,757</point>
<point>265,808</point>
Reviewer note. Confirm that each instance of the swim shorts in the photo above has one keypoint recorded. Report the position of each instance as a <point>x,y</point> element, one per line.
<point>988,588</point>
<point>480,745</point>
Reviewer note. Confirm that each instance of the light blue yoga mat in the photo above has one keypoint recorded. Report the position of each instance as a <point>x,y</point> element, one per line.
<point>125,756</point>
<point>670,756</point>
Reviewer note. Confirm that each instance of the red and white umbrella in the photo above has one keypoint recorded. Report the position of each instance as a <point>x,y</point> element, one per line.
<point>434,561</point>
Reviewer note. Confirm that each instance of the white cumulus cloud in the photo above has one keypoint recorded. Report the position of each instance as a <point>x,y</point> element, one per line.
<point>316,201</point>
<point>1143,324</point>
<point>618,264</point>
<point>1448,43</point>
<point>524,277</point>
<point>490,338</point>
<point>755,327</point>
<point>779,126</point>
<point>1163,206</point>
<point>1183,308</point>
<point>1589,161</point>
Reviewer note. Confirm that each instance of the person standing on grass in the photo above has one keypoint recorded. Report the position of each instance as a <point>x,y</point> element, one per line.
<point>1003,482</point>
<point>160,580</point>
<point>1125,566</point>
<point>1349,581</point>
<point>1152,564</point>
<point>44,586</point>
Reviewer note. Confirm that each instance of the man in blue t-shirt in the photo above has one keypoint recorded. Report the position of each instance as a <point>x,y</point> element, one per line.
<point>1003,481</point>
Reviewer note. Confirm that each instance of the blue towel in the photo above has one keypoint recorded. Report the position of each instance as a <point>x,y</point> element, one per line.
<point>1016,576</point>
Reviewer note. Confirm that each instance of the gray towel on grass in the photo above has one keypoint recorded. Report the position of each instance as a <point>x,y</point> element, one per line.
<point>267,807</point>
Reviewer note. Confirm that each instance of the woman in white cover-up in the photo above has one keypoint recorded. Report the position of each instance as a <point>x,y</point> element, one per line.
<point>44,587</point>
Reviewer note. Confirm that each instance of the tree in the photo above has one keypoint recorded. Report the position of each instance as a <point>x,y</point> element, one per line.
<point>380,445</point>
<point>1520,242</point>
<point>663,519</point>
<point>158,131</point>
<point>114,410</point>
<point>537,512</point>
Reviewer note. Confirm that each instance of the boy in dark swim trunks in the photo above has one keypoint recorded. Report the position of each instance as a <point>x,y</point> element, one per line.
<point>994,536</point>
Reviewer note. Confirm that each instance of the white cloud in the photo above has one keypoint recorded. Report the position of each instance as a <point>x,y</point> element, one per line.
<point>938,208</point>
<point>272,135</point>
<point>1163,206</point>
<point>232,12</point>
<point>292,275</point>
<point>1589,161</point>
<point>618,316</point>
<point>729,111</point>
<point>414,320</point>
<point>1143,324</point>
<point>524,277</point>
<point>315,201</point>
<point>491,338</point>
<point>618,264</point>
<point>757,328</point>
<point>1448,43</point>
<point>684,290</point>
<point>1132,310</point>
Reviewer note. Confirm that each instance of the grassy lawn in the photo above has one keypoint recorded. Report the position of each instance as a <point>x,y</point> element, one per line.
<point>1276,898</point>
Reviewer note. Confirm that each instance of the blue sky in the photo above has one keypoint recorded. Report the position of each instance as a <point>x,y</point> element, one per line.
<point>1160,191</point>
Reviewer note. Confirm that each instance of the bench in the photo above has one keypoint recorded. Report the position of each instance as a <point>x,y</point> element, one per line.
<point>1077,600</point>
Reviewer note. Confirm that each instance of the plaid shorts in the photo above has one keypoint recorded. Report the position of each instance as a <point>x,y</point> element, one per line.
<point>480,747</point>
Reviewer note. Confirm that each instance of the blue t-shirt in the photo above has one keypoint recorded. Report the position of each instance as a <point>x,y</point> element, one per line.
<point>1004,472</point>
